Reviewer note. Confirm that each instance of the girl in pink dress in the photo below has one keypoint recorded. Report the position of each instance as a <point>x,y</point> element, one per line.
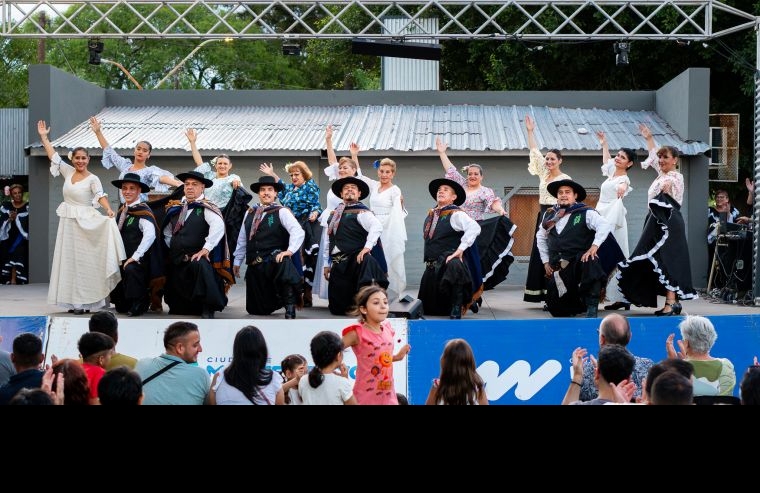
<point>372,342</point>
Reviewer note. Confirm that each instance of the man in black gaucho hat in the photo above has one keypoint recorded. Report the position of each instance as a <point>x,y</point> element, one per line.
<point>448,286</point>
<point>142,271</point>
<point>267,241</point>
<point>356,257</point>
<point>569,241</point>
<point>199,273</point>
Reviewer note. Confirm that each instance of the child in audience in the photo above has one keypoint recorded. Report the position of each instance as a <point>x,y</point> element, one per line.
<point>293,367</point>
<point>459,382</point>
<point>96,350</point>
<point>372,342</point>
<point>324,386</point>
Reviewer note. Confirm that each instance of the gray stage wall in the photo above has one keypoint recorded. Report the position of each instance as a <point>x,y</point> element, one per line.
<point>65,101</point>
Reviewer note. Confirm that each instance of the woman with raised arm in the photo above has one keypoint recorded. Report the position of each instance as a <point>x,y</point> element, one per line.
<point>153,176</point>
<point>547,168</point>
<point>610,206</point>
<point>387,203</point>
<point>216,170</point>
<point>659,265</point>
<point>88,246</point>
<point>301,196</point>
<point>495,239</point>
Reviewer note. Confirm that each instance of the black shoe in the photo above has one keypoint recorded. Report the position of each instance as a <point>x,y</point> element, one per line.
<point>290,312</point>
<point>77,311</point>
<point>618,305</point>
<point>135,310</point>
<point>474,308</point>
<point>591,311</point>
<point>456,312</point>
<point>675,309</point>
<point>71,310</point>
<point>546,307</point>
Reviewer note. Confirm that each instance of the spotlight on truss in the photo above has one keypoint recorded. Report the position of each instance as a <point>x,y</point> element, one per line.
<point>622,49</point>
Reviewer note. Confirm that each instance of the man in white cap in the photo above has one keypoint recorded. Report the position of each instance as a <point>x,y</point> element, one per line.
<point>267,241</point>
<point>568,240</point>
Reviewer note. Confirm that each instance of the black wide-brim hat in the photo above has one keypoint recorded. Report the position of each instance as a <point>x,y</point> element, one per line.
<point>267,181</point>
<point>458,190</point>
<point>553,188</point>
<point>195,175</point>
<point>337,186</point>
<point>131,178</point>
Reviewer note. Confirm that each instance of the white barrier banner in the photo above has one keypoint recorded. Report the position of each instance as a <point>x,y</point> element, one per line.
<point>144,338</point>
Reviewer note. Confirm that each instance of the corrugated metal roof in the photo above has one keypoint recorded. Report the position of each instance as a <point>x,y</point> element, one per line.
<point>14,129</point>
<point>382,128</point>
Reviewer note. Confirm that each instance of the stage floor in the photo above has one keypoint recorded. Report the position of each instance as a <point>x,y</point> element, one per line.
<point>503,303</point>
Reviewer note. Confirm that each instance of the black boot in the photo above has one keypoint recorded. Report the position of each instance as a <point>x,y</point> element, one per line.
<point>307,301</point>
<point>591,310</point>
<point>290,312</point>
<point>456,312</point>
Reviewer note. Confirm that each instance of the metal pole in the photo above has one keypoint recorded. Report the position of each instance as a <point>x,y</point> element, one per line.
<point>103,60</point>
<point>188,57</point>
<point>756,199</point>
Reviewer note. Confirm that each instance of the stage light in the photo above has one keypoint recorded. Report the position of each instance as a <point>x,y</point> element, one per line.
<point>398,49</point>
<point>622,50</point>
<point>96,48</point>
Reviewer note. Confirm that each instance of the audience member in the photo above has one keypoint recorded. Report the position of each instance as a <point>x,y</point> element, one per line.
<point>614,329</point>
<point>106,323</point>
<point>27,357</point>
<point>174,377</point>
<point>31,397</point>
<point>293,367</point>
<point>672,389</point>
<point>6,366</point>
<point>120,386</point>
<point>750,386</point>
<point>681,366</point>
<point>458,382</point>
<point>95,349</point>
<point>613,369</point>
<point>712,376</point>
<point>324,386</point>
<point>76,387</point>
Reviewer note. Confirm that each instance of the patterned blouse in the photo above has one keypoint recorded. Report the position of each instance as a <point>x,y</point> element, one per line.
<point>537,167</point>
<point>301,200</point>
<point>478,203</point>
<point>150,175</point>
<point>673,177</point>
<point>221,192</point>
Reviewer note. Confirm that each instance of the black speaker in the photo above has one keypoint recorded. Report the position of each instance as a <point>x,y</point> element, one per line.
<point>406,307</point>
<point>398,49</point>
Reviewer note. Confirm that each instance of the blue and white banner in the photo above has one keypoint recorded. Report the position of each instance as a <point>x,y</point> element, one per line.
<point>10,327</point>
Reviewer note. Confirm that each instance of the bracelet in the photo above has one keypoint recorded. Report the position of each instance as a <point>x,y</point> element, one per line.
<point>576,383</point>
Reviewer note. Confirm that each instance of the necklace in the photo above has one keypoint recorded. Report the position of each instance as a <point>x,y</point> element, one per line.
<point>374,329</point>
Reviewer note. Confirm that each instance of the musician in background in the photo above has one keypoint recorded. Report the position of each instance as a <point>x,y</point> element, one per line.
<point>722,205</point>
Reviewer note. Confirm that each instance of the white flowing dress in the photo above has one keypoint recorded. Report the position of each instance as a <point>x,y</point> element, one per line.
<point>88,246</point>
<point>612,209</point>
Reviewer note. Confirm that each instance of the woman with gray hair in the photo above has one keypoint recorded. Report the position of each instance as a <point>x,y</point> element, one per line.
<point>712,376</point>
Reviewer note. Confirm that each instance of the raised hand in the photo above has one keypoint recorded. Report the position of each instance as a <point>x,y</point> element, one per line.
<point>530,124</point>
<point>191,135</point>
<point>95,124</point>
<point>440,145</point>
<point>42,128</point>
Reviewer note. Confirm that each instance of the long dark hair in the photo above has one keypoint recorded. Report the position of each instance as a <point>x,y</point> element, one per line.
<point>460,383</point>
<point>248,370</point>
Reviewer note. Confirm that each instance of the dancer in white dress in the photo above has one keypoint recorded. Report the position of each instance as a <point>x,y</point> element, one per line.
<point>610,206</point>
<point>387,203</point>
<point>88,246</point>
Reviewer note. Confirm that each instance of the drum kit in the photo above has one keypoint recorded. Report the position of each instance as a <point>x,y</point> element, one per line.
<point>732,260</point>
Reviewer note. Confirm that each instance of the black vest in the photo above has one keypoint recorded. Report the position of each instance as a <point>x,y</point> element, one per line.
<point>192,236</point>
<point>270,236</point>
<point>575,238</point>
<point>350,236</point>
<point>131,234</point>
<point>444,241</point>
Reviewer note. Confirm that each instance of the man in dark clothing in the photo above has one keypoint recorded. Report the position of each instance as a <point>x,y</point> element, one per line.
<point>27,357</point>
<point>568,239</point>
<point>269,237</point>
<point>139,230</point>
<point>447,286</point>
<point>354,261</point>
<point>198,272</point>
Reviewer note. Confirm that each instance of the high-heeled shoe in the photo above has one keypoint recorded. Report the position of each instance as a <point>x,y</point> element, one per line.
<point>618,305</point>
<point>675,309</point>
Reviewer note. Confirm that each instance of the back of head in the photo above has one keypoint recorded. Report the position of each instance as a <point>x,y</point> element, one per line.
<point>249,359</point>
<point>325,347</point>
<point>678,365</point>
<point>699,332</point>
<point>94,343</point>
<point>750,387</point>
<point>178,331</point>
<point>120,386</point>
<point>106,323</point>
<point>616,329</point>
<point>672,389</point>
<point>31,397</point>
<point>615,363</point>
<point>459,382</point>
<point>402,400</point>
<point>76,387</point>
<point>27,351</point>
